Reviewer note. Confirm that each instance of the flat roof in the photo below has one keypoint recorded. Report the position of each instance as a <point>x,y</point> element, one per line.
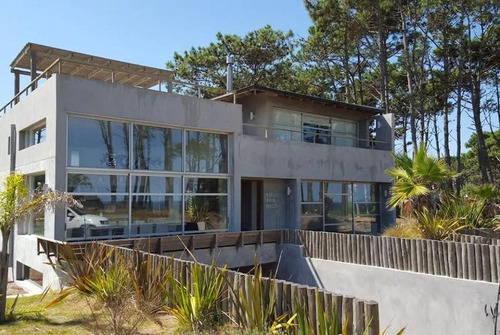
<point>91,67</point>
<point>253,89</point>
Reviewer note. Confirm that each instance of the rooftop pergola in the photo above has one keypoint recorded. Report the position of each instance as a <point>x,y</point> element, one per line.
<point>35,59</point>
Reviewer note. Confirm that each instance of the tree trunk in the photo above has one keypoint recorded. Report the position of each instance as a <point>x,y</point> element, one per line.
<point>4,270</point>
<point>459,100</point>
<point>446,128</point>
<point>436,134</point>
<point>482,152</point>
<point>409,77</point>
<point>382,60</point>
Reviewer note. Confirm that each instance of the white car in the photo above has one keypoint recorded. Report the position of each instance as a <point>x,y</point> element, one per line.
<point>76,218</point>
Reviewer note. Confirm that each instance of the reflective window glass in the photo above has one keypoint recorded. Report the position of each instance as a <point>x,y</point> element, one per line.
<point>286,124</point>
<point>153,184</point>
<point>97,183</point>
<point>98,143</point>
<point>157,148</point>
<point>312,191</point>
<point>316,129</point>
<point>101,215</point>
<point>156,214</point>
<point>206,152</point>
<point>206,185</point>
<point>206,212</point>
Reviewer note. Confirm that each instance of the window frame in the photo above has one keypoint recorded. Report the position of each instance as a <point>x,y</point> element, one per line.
<point>131,172</point>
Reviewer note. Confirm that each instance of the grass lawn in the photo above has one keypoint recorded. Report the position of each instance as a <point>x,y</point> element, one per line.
<point>71,316</point>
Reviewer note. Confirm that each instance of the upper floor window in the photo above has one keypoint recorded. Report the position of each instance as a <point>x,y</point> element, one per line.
<point>105,144</point>
<point>206,152</point>
<point>98,143</point>
<point>33,135</point>
<point>157,148</point>
<point>295,126</point>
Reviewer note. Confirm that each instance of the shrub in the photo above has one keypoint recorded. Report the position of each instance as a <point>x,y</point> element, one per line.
<point>404,230</point>
<point>113,287</point>
<point>435,227</point>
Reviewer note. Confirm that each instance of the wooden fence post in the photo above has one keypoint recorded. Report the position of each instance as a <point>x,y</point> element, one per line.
<point>372,318</point>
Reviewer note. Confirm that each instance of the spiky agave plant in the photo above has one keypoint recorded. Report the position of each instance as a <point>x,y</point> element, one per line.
<point>435,226</point>
<point>194,303</point>
<point>256,308</point>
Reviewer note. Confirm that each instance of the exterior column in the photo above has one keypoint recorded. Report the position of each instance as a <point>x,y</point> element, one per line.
<point>13,146</point>
<point>33,60</point>
<point>16,85</point>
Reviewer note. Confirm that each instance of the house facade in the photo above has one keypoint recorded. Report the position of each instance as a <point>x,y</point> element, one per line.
<point>145,160</point>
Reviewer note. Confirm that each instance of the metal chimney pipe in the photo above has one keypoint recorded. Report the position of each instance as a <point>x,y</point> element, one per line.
<point>229,81</point>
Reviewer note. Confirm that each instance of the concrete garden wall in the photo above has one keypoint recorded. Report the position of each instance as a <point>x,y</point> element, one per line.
<point>425,304</point>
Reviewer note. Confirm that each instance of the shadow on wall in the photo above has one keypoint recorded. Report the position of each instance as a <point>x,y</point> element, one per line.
<point>294,267</point>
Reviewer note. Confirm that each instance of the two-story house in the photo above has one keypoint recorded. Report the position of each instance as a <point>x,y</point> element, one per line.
<point>145,161</point>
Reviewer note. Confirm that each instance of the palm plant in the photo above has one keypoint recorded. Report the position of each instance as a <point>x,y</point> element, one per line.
<point>415,179</point>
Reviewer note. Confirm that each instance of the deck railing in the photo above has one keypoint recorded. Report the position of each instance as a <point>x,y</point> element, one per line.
<point>171,86</point>
<point>355,314</point>
<point>322,136</point>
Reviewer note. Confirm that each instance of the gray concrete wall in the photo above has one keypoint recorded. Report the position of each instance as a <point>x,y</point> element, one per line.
<point>100,99</point>
<point>259,157</point>
<point>425,304</point>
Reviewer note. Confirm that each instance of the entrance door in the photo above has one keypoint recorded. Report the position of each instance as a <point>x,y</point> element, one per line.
<point>251,205</point>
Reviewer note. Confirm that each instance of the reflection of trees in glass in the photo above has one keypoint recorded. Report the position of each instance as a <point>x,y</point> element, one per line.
<point>157,148</point>
<point>77,180</point>
<point>206,152</point>
<point>107,137</point>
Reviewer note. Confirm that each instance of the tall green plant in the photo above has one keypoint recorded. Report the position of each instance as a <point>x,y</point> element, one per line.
<point>435,227</point>
<point>255,307</point>
<point>194,302</point>
<point>415,179</point>
<point>16,204</point>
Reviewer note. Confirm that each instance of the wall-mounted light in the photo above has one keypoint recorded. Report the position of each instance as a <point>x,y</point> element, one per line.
<point>252,116</point>
<point>288,190</point>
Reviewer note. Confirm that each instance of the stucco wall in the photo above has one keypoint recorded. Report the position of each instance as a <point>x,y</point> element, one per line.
<point>425,304</point>
<point>259,157</point>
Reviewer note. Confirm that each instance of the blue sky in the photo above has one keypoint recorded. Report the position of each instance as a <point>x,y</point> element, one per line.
<point>143,32</point>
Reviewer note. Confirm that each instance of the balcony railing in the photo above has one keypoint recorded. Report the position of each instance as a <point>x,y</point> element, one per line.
<point>170,85</point>
<point>313,135</point>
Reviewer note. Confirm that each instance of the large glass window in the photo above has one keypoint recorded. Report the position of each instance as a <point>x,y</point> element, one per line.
<point>97,183</point>
<point>312,205</point>
<point>98,143</point>
<point>156,184</point>
<point>101,215</point>
<point>172,193</point>
<point>344,133</point>
<point>316,129</point>
<point>156,214</point>
<point>157,148</point>
<point>340,206</point>
<point>289,125</point>
<point>367,207</point>
<point>286,125</point>
<point>206,212</point>
<point>206,152</point>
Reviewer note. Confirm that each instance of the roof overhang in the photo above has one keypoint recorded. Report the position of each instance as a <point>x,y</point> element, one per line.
<point>91,67</point>
<point>257,89</point>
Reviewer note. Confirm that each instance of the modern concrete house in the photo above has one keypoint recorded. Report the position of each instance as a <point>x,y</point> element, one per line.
<point>145,160</point>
